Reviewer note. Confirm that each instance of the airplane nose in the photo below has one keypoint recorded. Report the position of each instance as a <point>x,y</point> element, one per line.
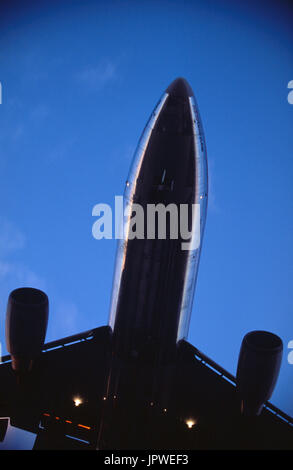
<point>180,88</point>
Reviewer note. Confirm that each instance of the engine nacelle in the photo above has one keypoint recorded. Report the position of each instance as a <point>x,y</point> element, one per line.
<point>26,325</point>
<point>258,369</point>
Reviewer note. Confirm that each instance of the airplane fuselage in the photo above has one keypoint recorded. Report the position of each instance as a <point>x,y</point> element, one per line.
<point>156,269</point>
<point>155,276</point>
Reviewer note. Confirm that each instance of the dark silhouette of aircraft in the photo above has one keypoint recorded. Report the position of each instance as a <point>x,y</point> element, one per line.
<point>137,383</point>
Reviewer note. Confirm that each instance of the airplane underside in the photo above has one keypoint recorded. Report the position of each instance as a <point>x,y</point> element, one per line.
<point>184,406</point>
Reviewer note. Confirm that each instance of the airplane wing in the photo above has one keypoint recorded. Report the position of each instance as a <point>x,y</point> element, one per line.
<point>210,406</point>
<point>64,391</point>
<point>68,386</point>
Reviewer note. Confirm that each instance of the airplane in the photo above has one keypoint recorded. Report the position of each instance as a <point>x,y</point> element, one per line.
<point>137,383</point>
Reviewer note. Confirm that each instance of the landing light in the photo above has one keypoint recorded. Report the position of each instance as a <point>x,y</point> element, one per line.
<point>77,401</point>
<point>190,423</point>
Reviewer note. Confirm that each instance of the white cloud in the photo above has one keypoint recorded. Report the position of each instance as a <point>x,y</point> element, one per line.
<point>19,276</point>
<point>64,315</point>
<point>96,77</point>
<point>12,276</point>
<point>5,269</point>
<point>11,238</point>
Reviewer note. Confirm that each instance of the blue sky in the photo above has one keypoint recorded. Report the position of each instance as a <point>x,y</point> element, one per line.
<point>79,81</point>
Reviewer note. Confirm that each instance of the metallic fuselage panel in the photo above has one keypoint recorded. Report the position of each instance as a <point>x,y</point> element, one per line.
<point>154,279</point>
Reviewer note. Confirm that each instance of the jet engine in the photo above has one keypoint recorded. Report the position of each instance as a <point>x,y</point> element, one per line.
<point>26,325</point>
<point>258,369</point>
